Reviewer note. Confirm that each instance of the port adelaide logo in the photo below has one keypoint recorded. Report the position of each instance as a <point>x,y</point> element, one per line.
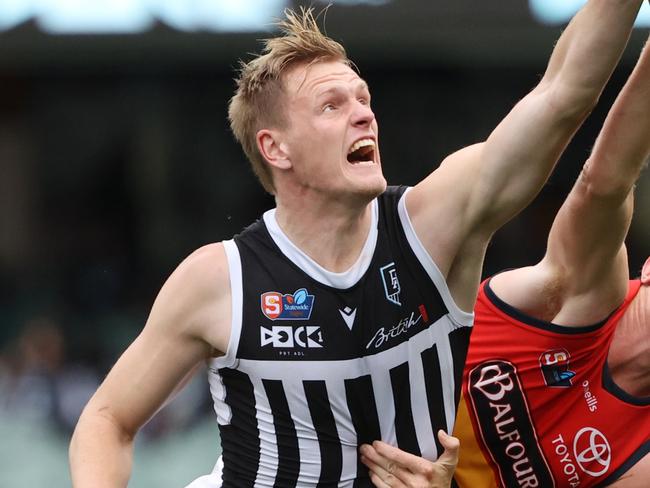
<point>291,306</point>
<point>392,287</point>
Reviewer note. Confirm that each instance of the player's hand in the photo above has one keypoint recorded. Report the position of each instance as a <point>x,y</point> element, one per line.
<point>391,467</point>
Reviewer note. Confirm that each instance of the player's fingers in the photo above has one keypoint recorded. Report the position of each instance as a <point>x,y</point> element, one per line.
<point>393,473</point>
<point>386,480</point>
<point>389,472</point>
<point>378,481</point>
<point>409,461</point>
<point>452,445</point>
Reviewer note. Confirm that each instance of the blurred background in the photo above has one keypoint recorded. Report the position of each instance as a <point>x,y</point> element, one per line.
<point>116,161</point>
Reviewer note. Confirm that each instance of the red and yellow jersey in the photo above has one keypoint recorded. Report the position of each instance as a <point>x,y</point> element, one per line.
<point>539,406</point>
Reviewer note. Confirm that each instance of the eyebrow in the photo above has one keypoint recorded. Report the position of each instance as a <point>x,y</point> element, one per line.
<point>335,89</point>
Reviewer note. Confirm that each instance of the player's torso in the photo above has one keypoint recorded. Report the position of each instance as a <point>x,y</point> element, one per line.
<point>324,363</point>
<point>550,414</point>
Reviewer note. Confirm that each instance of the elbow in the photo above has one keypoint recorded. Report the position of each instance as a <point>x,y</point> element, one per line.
<point>613,187</point>
<point>571,102</point>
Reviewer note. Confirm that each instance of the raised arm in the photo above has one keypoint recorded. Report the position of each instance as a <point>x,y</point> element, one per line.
<point>188,322</point>
<point>586,248</point>
<point>484,185</point>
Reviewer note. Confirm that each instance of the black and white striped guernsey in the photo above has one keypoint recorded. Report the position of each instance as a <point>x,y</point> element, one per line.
<point>319,362</point>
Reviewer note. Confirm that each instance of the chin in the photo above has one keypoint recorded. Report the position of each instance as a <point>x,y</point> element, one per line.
<point>372,187</point>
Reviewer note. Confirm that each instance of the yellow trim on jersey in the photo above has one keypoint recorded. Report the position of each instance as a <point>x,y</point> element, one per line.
<point>473,470</point>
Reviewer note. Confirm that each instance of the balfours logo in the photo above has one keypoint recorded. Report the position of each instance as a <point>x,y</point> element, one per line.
<point>496,393</point>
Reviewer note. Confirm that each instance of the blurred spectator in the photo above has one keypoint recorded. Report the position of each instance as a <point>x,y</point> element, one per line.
<point>37,383</point>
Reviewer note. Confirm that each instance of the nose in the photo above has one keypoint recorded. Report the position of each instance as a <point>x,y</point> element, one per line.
<point>362,115</point>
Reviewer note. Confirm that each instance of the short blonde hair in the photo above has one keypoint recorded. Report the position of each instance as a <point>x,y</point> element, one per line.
<point>258,100</point>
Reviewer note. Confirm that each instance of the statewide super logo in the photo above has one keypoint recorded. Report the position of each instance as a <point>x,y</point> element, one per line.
<point>555,367</point>
<point>296,306</point>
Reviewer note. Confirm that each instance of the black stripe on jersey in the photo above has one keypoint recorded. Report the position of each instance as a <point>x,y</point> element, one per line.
<point>459,343</point>
<point>433,385</point>
<point>323,419</point>
<point>285,434</point>
<point>404,428</point>
<point>240,439</point>
<point>363,411</point>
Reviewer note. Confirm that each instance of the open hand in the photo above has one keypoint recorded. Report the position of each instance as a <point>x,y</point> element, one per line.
<point>391,467</point>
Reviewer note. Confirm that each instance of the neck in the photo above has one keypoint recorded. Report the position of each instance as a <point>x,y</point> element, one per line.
<point>629,356</point>
<point>329,231</point>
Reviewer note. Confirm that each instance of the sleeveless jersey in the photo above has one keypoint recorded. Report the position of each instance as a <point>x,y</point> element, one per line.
<point>540,408</point>
<point>319,362</point>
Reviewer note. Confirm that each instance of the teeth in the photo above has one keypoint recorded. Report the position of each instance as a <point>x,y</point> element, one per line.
<point>362,143</point>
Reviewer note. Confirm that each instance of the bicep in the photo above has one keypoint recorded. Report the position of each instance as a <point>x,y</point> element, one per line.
<point>143,378</point>
<point>183,329</point>
<point>437,206</point>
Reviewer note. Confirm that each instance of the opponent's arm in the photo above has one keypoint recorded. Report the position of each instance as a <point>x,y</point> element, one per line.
<point>187,323</point>
<point>586,244</point>
<point>479,188</point>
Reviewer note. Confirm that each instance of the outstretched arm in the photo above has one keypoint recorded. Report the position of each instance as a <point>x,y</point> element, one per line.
<point>486,184</point>
<point>586,244</point>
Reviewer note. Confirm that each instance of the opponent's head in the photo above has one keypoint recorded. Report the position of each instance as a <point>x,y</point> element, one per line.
<point>282,111</point>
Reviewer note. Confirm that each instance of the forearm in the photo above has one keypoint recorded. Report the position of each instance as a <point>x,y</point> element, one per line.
<point>588,51</point>
<point>100,454</point>
<point>623,146</point>
<point>541,125</point>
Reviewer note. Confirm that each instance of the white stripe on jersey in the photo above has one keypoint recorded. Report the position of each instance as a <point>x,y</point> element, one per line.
<point>420,409</point>
<point>447,371</point>
<point>308,445</point>
<point>217,389</point>
<point>268,466</point>
<point>346,432</point>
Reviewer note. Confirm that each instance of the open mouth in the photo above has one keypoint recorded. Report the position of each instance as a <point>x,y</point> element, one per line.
<point>362,151</point>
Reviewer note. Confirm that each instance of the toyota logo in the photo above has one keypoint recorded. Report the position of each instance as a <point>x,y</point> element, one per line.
<point>592,451</point>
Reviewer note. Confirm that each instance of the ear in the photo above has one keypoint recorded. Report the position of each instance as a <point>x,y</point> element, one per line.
<point>273,149</point>
<point>645,272</point>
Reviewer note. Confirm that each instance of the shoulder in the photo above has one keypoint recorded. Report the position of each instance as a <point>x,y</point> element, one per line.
<point>196,294</point>
<point>204,270</point>
<point>458,167</point>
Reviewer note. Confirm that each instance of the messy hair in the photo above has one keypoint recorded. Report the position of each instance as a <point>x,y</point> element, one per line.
<point>258,99</point>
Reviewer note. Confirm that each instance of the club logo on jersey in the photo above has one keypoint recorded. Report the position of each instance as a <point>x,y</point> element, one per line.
<point>555,368</point>
<point>288,336</point>
<point>391,283</point>
<point>496,396</point>
<point>296,306</point>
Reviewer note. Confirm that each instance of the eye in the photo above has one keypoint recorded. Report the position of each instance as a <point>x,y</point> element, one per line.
<point>328,107</point>
<point>364,101</point>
